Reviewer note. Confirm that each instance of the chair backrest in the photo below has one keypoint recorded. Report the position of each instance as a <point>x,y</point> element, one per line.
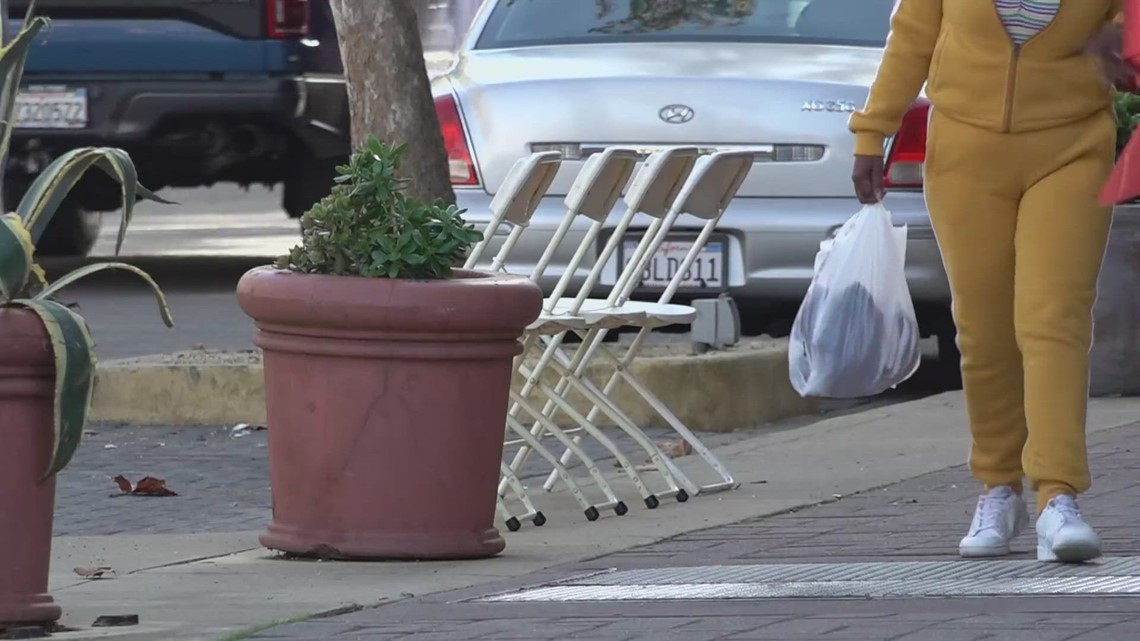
<point>525,185</point>
<point>715,180</point>
<point>660,179</point>
<point>706,194</point>
<point>594,193</point>
<point>600,183</point>
<point>653,191</point>
<point>515,202</point>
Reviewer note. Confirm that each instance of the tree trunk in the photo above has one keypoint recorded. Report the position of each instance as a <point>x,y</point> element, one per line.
<point>389,93</point>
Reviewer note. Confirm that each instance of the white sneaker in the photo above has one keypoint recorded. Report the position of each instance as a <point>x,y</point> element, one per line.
<point>1063,536</point>
<point>1000,516</point>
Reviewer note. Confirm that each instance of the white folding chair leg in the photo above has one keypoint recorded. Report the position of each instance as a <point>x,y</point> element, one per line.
<point>532,513</point>
<point>621,371</point>
<point>573,372</point>
<point>598,400</point>
<point>590,510</point>
<point>529,384</point>
<point>543,424</point>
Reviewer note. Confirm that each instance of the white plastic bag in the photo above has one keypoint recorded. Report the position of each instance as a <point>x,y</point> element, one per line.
<point>856,334</point>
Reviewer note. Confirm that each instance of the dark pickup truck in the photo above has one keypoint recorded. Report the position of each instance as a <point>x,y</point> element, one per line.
<point>197,91</point>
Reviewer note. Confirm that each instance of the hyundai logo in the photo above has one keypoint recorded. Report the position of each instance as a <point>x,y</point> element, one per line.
<point>676,114</point>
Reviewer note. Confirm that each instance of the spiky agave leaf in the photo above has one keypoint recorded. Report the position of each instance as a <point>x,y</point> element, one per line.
<point>12,59</point>
<point>16,252</point>
<point>74,352</point>
<point>49,190</point>
<point>83,272</point>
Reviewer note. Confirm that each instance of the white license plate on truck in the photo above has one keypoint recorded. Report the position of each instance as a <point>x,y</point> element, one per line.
<point>39,107</point>
<point>708,271</point>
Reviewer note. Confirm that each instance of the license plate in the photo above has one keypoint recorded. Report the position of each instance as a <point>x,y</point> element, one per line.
<point>707,272</point>
<point>51,108</point>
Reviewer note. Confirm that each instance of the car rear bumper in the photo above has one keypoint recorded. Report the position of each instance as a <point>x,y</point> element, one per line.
<point>133,112</point>
<point>772,243</point>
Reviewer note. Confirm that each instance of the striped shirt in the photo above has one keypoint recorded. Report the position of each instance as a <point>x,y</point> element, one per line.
<point>1024,19</point>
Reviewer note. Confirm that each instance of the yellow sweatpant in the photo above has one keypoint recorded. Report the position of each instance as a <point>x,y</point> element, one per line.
<point>1022,237</point>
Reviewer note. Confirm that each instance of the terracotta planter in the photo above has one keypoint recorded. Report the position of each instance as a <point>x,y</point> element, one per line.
<point>386,403</point>
<point>27,383</point>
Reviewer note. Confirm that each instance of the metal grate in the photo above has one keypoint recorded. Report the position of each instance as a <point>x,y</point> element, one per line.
<point>1119,576</point>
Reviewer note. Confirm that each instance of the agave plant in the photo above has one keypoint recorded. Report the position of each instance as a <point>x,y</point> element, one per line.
<point>23,284</point>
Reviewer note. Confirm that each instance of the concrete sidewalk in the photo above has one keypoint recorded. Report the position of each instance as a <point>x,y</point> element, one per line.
<point>861,568</point>
<point>191,568</point>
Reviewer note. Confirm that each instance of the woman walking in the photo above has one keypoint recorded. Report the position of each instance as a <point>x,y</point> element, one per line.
<point>1021,139</point>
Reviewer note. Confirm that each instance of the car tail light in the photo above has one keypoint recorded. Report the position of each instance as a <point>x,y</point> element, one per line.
<point>287,19</point>
<point>455,142</point>
<point>908,152</point>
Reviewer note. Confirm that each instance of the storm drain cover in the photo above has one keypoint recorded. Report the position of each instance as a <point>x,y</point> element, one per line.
<point>1114,577</point>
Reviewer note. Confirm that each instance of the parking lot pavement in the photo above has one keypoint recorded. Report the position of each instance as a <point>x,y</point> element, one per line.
<point>909,531</point>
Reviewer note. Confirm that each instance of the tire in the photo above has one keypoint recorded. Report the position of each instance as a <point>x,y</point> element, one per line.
<point>72,232</point>
<point>949,360</point>
<point>308,182</point>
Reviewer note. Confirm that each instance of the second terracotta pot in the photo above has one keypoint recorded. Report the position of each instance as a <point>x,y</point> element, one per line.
<point>386,403</point>
<point>27,386</point>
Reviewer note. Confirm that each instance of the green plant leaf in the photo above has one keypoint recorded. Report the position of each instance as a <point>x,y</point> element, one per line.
<point>16,252</point>
<point>49,190</point>
<point>83,272</point>
<point>74,376</point>
<point>12,59</point>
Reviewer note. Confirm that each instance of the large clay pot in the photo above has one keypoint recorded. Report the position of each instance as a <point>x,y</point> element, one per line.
<point>27,384</point>
<point>387,402</point>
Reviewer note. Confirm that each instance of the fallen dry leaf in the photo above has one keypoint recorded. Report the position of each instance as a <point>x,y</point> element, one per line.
<point>676,449</point>
<point>241,429</point>
<point>94,573</point>
<point>151,486</point>
<point>147,486</point>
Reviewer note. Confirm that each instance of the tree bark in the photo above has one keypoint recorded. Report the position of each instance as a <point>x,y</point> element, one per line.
<point>389,93</point>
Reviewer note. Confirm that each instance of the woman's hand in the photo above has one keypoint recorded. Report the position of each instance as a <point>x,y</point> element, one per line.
<point>868,179</point>
<point>1105,48</point>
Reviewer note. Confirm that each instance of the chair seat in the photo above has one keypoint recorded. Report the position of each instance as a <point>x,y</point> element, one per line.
<point>600,314</point>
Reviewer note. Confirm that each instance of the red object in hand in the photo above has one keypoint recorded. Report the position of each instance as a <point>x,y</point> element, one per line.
<point>1124,183</point>
<point>1130,50</point>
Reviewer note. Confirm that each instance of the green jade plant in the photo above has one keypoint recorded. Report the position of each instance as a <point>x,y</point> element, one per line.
<point>23,284</point>
<point>1127,108</point>
<point>369,226</point>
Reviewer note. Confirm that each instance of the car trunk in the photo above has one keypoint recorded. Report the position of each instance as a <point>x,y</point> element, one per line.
<point>790,103</point>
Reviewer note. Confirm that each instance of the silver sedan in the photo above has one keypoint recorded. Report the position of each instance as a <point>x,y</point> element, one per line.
<point>780,77</point>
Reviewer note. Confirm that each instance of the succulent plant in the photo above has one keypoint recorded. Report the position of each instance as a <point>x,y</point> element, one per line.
<point>368,226</point>
<point>1127,117</point>
<point>23,284</point>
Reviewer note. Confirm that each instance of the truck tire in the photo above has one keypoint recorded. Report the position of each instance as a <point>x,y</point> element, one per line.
<point>72,232</point>
<point>309,180</point>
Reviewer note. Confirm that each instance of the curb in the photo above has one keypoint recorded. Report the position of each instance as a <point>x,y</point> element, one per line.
<point>742,387</point>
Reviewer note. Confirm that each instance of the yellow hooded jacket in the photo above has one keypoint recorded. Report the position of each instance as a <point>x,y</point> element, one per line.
<point>976,75</point>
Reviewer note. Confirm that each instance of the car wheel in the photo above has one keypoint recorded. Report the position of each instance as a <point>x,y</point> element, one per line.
<point>949,359</point>
<point>72,232</point>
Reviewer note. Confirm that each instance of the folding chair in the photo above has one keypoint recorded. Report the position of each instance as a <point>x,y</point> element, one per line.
<point>653,192</point>
<point>593,194</point>
<point>514,204</point>
<point>712,186</point>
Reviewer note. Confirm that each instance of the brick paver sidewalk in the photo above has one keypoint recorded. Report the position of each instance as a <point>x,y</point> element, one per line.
<point>917,520</point>
<point>222,482</point>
